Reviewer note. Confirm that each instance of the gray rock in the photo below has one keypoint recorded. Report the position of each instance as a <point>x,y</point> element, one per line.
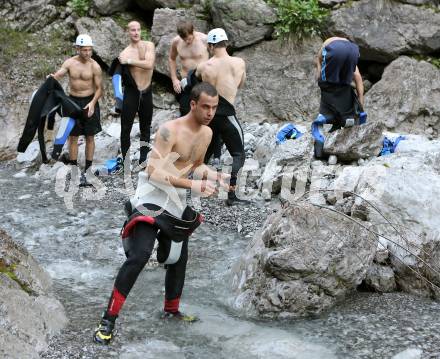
<point>108,37</point>
<point>108,7</point>
<point>245,22</point>
<point>386,29</point>
<point>288,167</point>
<point>150,5</point>
<point>305,261</point>
<point>403,187</point>
<point>331,3</point>
<point>162,116</point>
<point>350,144</point>
<point>28,15</point>
<point>164,30</point>
<point>381,279</point>
<point>265,144</point>
<point>280,82</point>
<point>407,98</point>
<point>29,315</point>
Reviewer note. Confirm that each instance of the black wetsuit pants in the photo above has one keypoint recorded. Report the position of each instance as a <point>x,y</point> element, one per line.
<point>229,130</point>
<point>140,102</point>
<point>138,250</point>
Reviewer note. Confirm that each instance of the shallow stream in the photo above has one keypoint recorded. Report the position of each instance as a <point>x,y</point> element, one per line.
<point>81,250</point>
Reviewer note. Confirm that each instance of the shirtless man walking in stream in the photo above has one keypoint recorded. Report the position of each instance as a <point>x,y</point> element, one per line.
<point>190,47</point>
<point>227,74</point>
<point>85,88</point>
<point>175,163</point>
<point>139,58</point>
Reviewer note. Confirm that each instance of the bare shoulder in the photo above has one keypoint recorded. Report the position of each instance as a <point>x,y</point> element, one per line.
<point>70,61</point>
<point>148,44</point>
<point>202,36</point>
<point>175,40</point>
<point>96,67</point>
<point>167,131</point>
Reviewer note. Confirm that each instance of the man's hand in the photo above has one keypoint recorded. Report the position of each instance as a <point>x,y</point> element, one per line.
<point>204,188</point>
<point>91,108</point>
<point>123,59</point>
<point>176,86</point>
<point>223,180</point>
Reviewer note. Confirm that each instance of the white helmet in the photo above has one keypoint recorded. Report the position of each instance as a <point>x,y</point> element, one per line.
<point>217,35</point>
<point>83,40</point>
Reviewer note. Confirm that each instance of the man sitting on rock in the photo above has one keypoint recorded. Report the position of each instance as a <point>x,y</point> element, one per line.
<point>336,65</point>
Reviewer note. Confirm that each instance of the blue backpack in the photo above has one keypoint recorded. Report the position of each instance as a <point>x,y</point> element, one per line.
<point>287,132</point>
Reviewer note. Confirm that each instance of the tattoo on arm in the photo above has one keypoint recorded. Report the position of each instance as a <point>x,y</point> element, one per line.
<point>165,134</point>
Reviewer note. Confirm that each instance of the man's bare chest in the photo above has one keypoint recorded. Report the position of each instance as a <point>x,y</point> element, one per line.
<point>191,52</point>
<point>135,54</point>
<point>81,72</point>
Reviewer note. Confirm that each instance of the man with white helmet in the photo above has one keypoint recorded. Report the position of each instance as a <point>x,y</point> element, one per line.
<point>85,88</point>
<point>227,74</point>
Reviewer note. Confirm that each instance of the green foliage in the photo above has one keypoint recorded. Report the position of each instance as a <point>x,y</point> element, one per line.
<point>432,60</point>
<point>145,35</point>
<point>81,7</point>
<point>298,19</point>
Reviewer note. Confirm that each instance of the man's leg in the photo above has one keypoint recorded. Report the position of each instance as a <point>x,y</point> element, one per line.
<point>145,117</point>
<point>174,281</point>
<point>232,135</point>
<point>73,150</point>
<point>90,150</point>
<point>138,248</point>
<point>129,109</point>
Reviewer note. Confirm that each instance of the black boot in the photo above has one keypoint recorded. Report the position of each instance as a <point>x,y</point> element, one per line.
<point>104,333</point>
<point>234,200</point>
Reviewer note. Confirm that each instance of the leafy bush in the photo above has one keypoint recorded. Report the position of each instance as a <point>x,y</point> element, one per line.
<point>298,19</point>
<point>80,6</point>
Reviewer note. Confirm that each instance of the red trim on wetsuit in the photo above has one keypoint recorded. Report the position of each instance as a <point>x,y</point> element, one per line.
<point>130,225</point>
<point>116,303</point>
<point>172,305</point>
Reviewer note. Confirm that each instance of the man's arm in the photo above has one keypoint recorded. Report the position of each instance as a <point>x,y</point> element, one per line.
<point>359,85</point>
<point>147,64</point>
<point>62,71</point>
<point>97,81</point>
<point>318,63</point>
<point>172,64</point>
<point>243,77</point>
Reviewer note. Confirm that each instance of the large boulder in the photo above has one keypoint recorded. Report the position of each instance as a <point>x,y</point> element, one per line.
<point>28,15</point>
<point>108,7</point>
<point>306,260</point>
<point>386,29</point>
<point>407,98</point>
<point>353,143</point>
<point>108,37</point>
<point>245,22</point>
<point>280,82</point>
<point>164,30</point>
<point>29,314</point>
<point>404,190</point>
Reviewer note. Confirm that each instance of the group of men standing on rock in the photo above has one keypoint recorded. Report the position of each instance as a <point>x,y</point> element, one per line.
<point>206,88</point>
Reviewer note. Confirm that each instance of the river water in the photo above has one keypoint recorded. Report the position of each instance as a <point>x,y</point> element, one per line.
<point>80,248</point>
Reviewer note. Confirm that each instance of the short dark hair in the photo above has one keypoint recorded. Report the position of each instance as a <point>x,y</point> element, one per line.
<point>202,87</point>
<point>220,44</point>
<point>185,28</point>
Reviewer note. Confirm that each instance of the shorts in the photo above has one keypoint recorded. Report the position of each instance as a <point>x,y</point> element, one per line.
<point>86,126</point>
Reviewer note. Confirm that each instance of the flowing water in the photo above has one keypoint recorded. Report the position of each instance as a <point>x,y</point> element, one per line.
<point>81,250</point>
